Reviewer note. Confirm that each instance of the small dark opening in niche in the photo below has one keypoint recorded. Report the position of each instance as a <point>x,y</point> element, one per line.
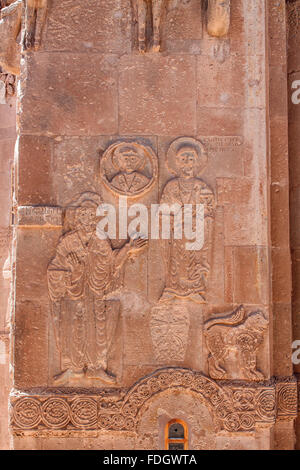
<point>176,430</point>
<point>176,435</point>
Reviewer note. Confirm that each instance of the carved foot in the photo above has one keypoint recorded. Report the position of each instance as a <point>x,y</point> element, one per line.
<point>155,46</point>
<point>36,45</point>
<point>101,374</point>
<point>166,296</point>
<point>255,375</point>
<point>142,46</point>
<point>64,377</point>
<point>215,370</point>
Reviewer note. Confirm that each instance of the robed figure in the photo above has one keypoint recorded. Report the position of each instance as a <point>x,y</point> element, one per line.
<point>187,270</point>
<point>84,271</point>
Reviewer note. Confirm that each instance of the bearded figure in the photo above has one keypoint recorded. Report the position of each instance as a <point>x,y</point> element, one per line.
<point>84,271</point>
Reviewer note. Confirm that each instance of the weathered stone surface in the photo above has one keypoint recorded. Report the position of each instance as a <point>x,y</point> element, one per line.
<point>222,89</point>
<point>64,106</point>
<point>7,143</point>
<point>156,84</point>
<point>138,104</point>
<point>69,27</point>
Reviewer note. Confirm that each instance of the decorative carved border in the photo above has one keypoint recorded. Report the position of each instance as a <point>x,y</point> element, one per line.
<point>235,407</point>
<point>287,399</point>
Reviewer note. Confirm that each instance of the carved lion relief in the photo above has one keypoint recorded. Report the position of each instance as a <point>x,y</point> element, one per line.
<point>239,331</point>
<point>128,168</point>
<point>186,270</point>
<point>83,272</point>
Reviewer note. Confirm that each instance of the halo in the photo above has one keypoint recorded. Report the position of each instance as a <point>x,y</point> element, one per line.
<point>107,163</point>
<point>186,142</point>
<point>139,150</point>
<point>84,198</point>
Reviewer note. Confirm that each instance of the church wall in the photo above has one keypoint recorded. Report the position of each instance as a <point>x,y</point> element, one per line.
<point>7,143</point>
<point>293,76</point>
<point>199,340</point>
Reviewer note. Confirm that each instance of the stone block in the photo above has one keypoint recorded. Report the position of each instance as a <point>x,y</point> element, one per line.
<point>57,103</point>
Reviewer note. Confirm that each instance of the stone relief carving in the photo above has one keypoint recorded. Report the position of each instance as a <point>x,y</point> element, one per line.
<point>7,86</point>
<point>287,399</point>
<point>35,16</point>
<point>148,11</point>
<point>293,19</point>
<point>241,332</point>
<point>169,326</point>
<point>187,270</point>
<point>10,29</point>
<point>235,409</point>
<point>128,168</point>
<point>218,17</point>
<point>40,215</point>
<point>84,271</point>
<point>148,15</point>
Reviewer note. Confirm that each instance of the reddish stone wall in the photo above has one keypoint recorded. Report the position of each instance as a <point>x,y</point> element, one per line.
<point>7,143</point>
<point>294,158</point>
<point>84,90</point>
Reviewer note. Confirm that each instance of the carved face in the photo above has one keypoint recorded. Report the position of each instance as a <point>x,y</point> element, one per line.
<point>256,322</point>
<point>86,218</point>
<point>129,159</point>
<point>186,160</point>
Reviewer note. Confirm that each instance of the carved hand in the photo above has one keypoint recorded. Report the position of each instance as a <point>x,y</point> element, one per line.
<point>77,266</point>
<point>136,245</point>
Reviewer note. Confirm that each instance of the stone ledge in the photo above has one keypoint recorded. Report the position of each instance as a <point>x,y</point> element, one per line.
<point>236,407</point>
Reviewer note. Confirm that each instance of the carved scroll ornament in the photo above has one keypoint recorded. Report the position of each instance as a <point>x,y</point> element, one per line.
<point>234,408</point>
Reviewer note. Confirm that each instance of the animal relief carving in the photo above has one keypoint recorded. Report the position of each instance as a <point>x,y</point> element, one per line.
<point>238,331</point>
<point>84,271</point>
